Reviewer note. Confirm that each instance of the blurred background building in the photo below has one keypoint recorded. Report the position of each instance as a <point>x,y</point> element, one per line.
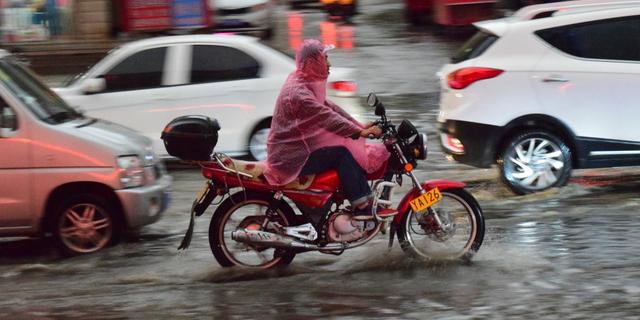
<point>76,33</point>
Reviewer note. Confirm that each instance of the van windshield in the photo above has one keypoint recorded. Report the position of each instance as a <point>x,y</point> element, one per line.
<point>36,96</point>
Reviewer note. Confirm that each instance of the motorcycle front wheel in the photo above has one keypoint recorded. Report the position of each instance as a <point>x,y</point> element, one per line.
<point>247,210</point>
<point>458,236</point>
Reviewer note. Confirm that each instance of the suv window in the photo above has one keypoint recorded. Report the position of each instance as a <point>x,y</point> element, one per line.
<point>611,39</point>
<point>219,63</point>
<point>142,70</point>
<point>474,47</point>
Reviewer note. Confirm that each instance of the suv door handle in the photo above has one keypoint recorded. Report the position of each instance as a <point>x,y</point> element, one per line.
<point>554,79</point>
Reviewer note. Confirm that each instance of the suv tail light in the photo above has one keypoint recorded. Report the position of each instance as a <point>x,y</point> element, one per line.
<point>347,86</point>
<point>464,77</point>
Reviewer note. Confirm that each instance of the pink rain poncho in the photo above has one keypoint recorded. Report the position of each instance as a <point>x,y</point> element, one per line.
<point>304,121</point>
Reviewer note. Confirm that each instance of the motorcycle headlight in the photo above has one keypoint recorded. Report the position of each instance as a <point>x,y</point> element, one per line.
<point>132,173</point>
<point>418,147</point>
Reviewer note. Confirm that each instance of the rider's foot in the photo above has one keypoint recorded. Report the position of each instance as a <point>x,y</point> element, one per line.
<point>365,214</point>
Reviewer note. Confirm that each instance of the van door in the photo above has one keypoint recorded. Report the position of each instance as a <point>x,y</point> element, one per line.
<point>15,170</point>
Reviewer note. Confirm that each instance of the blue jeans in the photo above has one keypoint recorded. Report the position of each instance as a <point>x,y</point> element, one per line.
<point>352,177</point>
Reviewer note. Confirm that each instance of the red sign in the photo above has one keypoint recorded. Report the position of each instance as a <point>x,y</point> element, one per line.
<point>145,15</point>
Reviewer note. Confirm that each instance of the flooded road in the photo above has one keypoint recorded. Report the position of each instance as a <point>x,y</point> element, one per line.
<point>569,253</point>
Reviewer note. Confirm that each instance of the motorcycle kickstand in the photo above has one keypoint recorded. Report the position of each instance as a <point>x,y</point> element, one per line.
<point>392,234</point>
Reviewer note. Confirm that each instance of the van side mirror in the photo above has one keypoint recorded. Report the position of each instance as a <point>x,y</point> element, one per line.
<point>8,122</point>
<point>94,85</point>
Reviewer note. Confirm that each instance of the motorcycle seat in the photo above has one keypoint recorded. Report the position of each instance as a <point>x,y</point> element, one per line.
<point>256,169</point>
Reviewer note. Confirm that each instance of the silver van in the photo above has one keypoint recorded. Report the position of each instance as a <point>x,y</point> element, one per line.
<point>82,180</point>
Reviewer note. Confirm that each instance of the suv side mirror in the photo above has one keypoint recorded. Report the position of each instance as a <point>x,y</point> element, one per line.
<point>8,122</point>
<point>95,85</point>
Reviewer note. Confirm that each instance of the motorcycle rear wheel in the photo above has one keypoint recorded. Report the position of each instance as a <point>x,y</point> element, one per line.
<point>425,240</point>
<point>229,215</point>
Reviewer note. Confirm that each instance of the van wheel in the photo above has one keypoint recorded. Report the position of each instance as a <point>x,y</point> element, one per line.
<point>534,161</point>
<point>84,223</point>
<point>258,141</point>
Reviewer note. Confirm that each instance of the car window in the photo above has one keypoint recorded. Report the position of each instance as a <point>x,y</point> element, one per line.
<point>611,39</point>
<point>142,70</point>
<point>474,47</point>
<point>212,63</point>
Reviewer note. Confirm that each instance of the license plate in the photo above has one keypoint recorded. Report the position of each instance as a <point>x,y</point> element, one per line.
<point>426,200</point>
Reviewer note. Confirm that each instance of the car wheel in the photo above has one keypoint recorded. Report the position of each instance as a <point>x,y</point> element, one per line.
<point>258,141</point>
<point>534,161</point>
<point>83,224</point>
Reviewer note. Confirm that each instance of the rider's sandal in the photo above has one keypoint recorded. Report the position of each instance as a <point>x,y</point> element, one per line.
<point>366,214</point>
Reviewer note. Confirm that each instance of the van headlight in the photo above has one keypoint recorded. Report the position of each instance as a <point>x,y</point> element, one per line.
<point>131,171</point>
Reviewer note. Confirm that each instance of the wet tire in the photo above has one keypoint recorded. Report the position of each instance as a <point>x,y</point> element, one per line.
<point>535,161</point>
<point>457,205</point>
<point>84,223</point>
<point>257,145</point>
<point>223,247</point>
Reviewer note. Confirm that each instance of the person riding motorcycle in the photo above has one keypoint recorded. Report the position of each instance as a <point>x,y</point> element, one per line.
<point>310,134</point>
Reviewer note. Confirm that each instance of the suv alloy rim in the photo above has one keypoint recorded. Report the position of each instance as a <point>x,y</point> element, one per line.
<point>534,164</point>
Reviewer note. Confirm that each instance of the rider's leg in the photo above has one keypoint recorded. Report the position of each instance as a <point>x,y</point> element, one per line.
<point>352,177</point>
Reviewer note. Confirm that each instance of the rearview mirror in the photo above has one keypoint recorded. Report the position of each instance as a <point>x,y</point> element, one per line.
<point>372,99</point>
<point>94,85</point>
<point>8,122</point>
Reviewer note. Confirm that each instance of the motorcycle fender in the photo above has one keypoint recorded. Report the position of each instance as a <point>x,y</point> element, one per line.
<point>202,202</point>
<point>442,184</point>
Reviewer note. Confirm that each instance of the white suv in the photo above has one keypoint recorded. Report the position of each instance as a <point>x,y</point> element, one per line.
<point>543,96</point>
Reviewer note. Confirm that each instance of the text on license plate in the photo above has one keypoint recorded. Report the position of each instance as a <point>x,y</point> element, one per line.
<point>425,200</point>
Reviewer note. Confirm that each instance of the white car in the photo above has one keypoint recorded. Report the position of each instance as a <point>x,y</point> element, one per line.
<point>244,15</point>
<point>543,96</point>
<point>235,79</point>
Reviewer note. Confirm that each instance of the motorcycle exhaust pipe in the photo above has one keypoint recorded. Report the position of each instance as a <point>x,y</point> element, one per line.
<point>257,237</point>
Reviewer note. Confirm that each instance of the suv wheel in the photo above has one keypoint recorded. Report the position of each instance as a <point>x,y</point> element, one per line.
<point>84,223</point>
<point>534,161</point>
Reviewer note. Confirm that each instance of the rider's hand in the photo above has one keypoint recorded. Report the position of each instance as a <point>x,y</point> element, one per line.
<point>369,124</point>
<point>374,131</point>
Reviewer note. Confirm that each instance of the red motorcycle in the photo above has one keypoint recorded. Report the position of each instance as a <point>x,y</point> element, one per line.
<point>256,225</point>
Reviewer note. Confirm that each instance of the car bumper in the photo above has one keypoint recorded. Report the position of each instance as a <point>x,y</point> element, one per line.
<point>469,142</point>
<point>145,205</point>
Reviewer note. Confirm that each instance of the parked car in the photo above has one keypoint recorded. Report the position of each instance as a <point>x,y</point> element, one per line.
<point>342,9</point>
<point>543,96</point>
<point>80,179</point>
<point>235,79</point>
<point>244,15</point>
